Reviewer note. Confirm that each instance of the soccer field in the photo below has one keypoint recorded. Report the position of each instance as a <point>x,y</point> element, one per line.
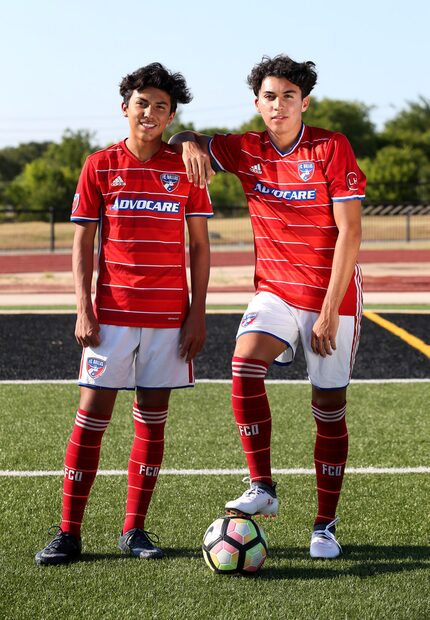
<point>384,511</point>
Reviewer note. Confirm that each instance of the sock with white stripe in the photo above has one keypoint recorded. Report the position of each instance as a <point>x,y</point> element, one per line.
<point>144,464</point>
<point>252,414</point>
<point>80,467</point>
<point>331,451</point>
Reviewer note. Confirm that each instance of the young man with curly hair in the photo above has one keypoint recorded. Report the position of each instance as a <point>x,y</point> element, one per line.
<point>304,191</point>
<point>141,333</point>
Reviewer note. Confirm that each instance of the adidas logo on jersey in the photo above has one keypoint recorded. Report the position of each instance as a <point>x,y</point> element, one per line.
<point>256,169</point>
<point>117,181</point>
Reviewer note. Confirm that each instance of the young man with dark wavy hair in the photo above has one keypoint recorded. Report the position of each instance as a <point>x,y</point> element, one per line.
<point>142,332</point>
<point>304,191</point>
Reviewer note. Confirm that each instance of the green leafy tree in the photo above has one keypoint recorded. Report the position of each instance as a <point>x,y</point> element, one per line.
<point>397,175</point>
<point>348,117</point>
<point>226,191</point>
<point>410,127</point>
<point>254,124</point>
<point>14,159</point>
<point>176,126</point>
<point>49,181</point>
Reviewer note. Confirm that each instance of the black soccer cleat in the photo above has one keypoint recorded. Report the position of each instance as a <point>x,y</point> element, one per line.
<point>138,543</point>
<point>63,549</point>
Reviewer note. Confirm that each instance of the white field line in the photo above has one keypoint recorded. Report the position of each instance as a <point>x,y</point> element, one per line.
<point>220,381</point>
<point>224,472</point>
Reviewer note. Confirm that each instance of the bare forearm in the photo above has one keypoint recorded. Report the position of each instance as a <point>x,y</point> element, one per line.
<point>82,274</point>
<point>195,154</point>
<point>83,265</point>
<point>199,268</point>
<point>181,137</point>
<point>189,136</point>
<point>344,261</point>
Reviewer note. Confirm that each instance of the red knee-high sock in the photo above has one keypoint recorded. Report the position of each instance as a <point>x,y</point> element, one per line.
<point>331,451</point>
<point>80,467</point>
<point>252,414</point>
<point>144,464</point>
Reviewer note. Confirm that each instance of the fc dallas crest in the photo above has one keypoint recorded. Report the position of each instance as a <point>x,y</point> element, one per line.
<point>170,181</point>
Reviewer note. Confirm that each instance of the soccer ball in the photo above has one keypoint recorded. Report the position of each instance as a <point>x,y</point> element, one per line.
<point>234,545</point>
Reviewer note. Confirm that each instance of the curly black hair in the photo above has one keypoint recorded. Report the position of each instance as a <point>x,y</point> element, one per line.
<point>157,76</point>
<point>302,74</point>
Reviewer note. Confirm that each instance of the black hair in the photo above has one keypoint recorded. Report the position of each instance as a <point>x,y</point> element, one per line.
<point>302,74</point>
<point>157,76</point>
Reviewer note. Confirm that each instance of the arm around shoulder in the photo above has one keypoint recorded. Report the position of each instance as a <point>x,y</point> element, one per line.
<point>194,148</point>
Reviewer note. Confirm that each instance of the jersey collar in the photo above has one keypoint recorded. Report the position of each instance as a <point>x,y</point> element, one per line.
<point>291,149</point>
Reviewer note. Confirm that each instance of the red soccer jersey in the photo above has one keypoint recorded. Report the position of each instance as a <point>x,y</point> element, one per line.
<point>141,209</point>
<point>290,198</point>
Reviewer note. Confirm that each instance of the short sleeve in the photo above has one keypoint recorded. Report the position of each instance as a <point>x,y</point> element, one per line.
<point>198,203</point>
<point>345,179</point>
<point>225,151</point>
<point>88,198</point>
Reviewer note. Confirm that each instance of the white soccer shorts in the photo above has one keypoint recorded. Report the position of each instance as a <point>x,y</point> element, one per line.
<point>269,314</point>
<point>135,357</point>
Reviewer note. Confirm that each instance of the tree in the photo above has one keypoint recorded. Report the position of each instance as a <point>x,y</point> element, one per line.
<point>49,181</point>
<point>176,126</point>
<point>14,159</point>
<point>254,124</point>
<point>348,117</point>
<point>410,127</point>
<point>226,191</point>
<point>397,175</point>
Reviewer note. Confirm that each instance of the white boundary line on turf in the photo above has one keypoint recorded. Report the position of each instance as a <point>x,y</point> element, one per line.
<point>220,381</point>
<point>223,472</point>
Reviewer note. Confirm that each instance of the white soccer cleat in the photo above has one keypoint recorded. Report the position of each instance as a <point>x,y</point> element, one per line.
<point>324,544</point>
<point>259,499</point>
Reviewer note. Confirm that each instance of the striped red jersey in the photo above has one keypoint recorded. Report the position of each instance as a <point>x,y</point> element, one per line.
<point>290,198</point>
<point>141,208</point>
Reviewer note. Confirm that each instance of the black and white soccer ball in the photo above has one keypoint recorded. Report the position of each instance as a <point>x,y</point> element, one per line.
<point>234,545</point>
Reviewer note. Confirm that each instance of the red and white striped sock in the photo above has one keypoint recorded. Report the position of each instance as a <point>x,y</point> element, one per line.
<point>331,452</point>
<point>144,464</point>
<point>252,414</point>
<point>80,467</point>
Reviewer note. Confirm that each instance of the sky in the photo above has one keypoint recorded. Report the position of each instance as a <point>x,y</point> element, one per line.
<point>62,60</point>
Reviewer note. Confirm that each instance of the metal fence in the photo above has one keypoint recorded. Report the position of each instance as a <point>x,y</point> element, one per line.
<point>49,230</point>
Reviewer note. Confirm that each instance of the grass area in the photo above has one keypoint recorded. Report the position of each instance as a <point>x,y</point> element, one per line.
<point>384,572</point>
<point>389,230</point>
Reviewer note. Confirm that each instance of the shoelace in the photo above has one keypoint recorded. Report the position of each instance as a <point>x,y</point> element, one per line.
<point>325,533</point>
<point>56,542</point>
<point>146,535</point>
<point>254,490</point>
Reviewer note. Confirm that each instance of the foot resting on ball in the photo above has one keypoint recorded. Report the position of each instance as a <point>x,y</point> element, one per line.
<point>259,499</point>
